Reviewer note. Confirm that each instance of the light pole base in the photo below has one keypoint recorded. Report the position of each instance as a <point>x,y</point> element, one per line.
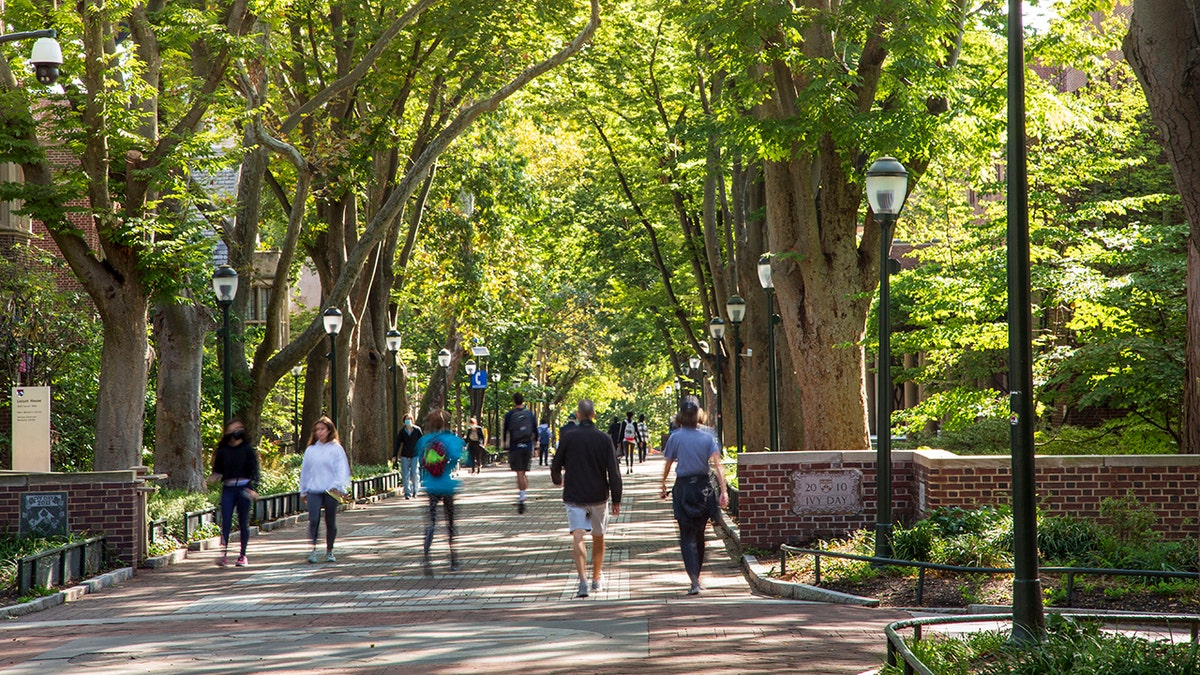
<point>1029,620</point>
<point>883,541</point>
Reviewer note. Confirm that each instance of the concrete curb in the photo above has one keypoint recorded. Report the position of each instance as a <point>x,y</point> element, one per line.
<point>68,594</point>
<point>758,574</point>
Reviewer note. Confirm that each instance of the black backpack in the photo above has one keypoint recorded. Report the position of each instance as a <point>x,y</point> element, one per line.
<point>522,426</point>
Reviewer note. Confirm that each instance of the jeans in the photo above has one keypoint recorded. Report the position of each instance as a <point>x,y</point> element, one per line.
<point>409,475</point>
<point>234,497</point>
<point>317,501</point>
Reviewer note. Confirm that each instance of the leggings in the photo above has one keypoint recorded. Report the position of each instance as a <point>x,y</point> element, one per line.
<point>234,497</point>
<point>448,507</point>
<point>691,543</point>
<point>316,500</point>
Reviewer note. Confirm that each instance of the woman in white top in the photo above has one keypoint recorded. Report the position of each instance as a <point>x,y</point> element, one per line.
<point>324,478</point>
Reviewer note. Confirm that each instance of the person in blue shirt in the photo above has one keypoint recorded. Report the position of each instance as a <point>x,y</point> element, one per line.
<point>439,452</point>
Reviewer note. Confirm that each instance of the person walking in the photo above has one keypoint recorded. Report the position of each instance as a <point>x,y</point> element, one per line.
<point>545,440</point>
<point>405,447</point>
<point>585,465</point>
<point>324,480</point>
<point>476,438</point>
<point>519,428</point>
<point>572,423</point>
<point>694,452</point>
<point>439,451</point>
<point>643,439</point>
<point>235,464</point>
<point>614,432</point>
<point>628,440</point>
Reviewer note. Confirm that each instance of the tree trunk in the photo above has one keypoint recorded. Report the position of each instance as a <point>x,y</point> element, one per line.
<point>179,337</point>
<point>121,402</point>
<point>1162,47</point>
<point>823,299</point>
<point>372,412</point>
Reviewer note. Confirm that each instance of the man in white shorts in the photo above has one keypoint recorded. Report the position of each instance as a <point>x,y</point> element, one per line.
<point>591,476</point>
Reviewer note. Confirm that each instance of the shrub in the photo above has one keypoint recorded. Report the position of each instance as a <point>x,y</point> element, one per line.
<point>988,436</point>
<point>1068,540</point>
<point>916,542</point>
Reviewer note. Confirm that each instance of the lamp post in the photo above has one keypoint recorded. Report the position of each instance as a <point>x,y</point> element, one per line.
<point>735,307</point>
<point>332,319</point>
<point>297,370</point>
<point>680,392</point>
<point>225,283</point>
<point>768,284</point>
<point>887,185</point>
<point>1029,624</point>
<point>496,410</point>
<point>697,375</point>
<point>444,361</point>
<point>392,338</point>
<point>716,330</point>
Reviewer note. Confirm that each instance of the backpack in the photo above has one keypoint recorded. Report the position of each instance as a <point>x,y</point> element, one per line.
<point>434,460</point>
<point>522,426</point>
<point>544,435</point>
<point>631,431</point>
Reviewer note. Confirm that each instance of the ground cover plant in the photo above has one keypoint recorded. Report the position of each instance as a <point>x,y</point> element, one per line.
<point>13,548</point>
<point>1122,538</point>
<point>1070,647</point>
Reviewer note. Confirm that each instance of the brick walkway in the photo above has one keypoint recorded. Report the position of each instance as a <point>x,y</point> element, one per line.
<point>512,608</point>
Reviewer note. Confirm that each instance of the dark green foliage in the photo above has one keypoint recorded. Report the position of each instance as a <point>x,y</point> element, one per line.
<point>1071,647</point>
<point>1067,540</point>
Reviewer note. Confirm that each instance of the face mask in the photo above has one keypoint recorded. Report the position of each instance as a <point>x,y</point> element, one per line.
<point>240,434</point>
<point>407,423</point>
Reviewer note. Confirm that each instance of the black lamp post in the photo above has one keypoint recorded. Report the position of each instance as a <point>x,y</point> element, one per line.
<point>1029,623</point>
<point>697,376</point>
<point>392,338</point>
<point>225,283</point>
<point>332,319</point>
<point>887,185</point>
<point>735,307</point>
<point>444,361</point>
<point>764,278</point>
<point>297,370</point>
<point>496,410</point>
<point>716,329</point>
<point>680,392</point>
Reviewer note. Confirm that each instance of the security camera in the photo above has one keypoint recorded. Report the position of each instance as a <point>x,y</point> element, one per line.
<point>46,58</point>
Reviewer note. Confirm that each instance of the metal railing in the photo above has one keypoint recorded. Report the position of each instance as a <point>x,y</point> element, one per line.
<point>1070,572</point>
<point>374,485</point>
<point>195,520</point>
<point>276,506</point>
<point>156,529</point>
<point>59,566</point>
<point>898,650</point>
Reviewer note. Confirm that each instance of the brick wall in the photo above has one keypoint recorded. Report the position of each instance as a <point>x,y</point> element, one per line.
<point>102,502</point>
<point>923,480</point>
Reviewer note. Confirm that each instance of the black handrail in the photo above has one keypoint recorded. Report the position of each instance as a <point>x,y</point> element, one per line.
<point>1071,572</point>
<point>898,647</point>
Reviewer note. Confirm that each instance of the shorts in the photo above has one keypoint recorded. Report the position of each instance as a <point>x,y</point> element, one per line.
<point>589,517</point>
<point>520,456</point>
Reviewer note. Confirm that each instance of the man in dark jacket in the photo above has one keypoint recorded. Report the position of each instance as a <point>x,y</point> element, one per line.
<point>405,449</point>
<point>592,475</point>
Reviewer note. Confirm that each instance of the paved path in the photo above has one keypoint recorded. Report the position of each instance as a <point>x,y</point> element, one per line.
<point>512,608</point>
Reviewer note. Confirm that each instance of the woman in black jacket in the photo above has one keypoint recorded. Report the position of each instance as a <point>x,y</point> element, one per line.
<point>235,464</point>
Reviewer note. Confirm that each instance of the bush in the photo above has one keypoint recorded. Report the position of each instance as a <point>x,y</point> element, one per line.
<point>916,542</point>
<point>989,436</point>
<point>1069,541</point>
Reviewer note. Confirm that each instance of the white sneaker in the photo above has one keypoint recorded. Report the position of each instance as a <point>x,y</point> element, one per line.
<point>312,557</point>
<point>598,585</point>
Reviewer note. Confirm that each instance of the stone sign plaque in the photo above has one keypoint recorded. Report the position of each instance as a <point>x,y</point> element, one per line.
<point>44,513</point>
<point>827,492</point>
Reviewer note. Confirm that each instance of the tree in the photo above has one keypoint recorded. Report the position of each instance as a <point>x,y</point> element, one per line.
<point>1163,39</point>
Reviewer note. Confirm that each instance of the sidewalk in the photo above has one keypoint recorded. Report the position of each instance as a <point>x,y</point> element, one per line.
<point>512,608</point>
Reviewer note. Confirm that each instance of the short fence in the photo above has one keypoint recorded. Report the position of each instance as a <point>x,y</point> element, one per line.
<point>1071,572</point>
<point>898,650</point>
<point>273,507</point>
<point>60,566</point>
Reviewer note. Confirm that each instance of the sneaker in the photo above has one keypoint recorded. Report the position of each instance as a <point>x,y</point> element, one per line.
<point>329,557</point>
<point>583,589</point>
<point>695,589</point>
<point>312,557</point>
<point>241,561</point>
<point>455,567</point>
<point>521,509</point>
<point>597,585</point>
<point>223,561</point>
